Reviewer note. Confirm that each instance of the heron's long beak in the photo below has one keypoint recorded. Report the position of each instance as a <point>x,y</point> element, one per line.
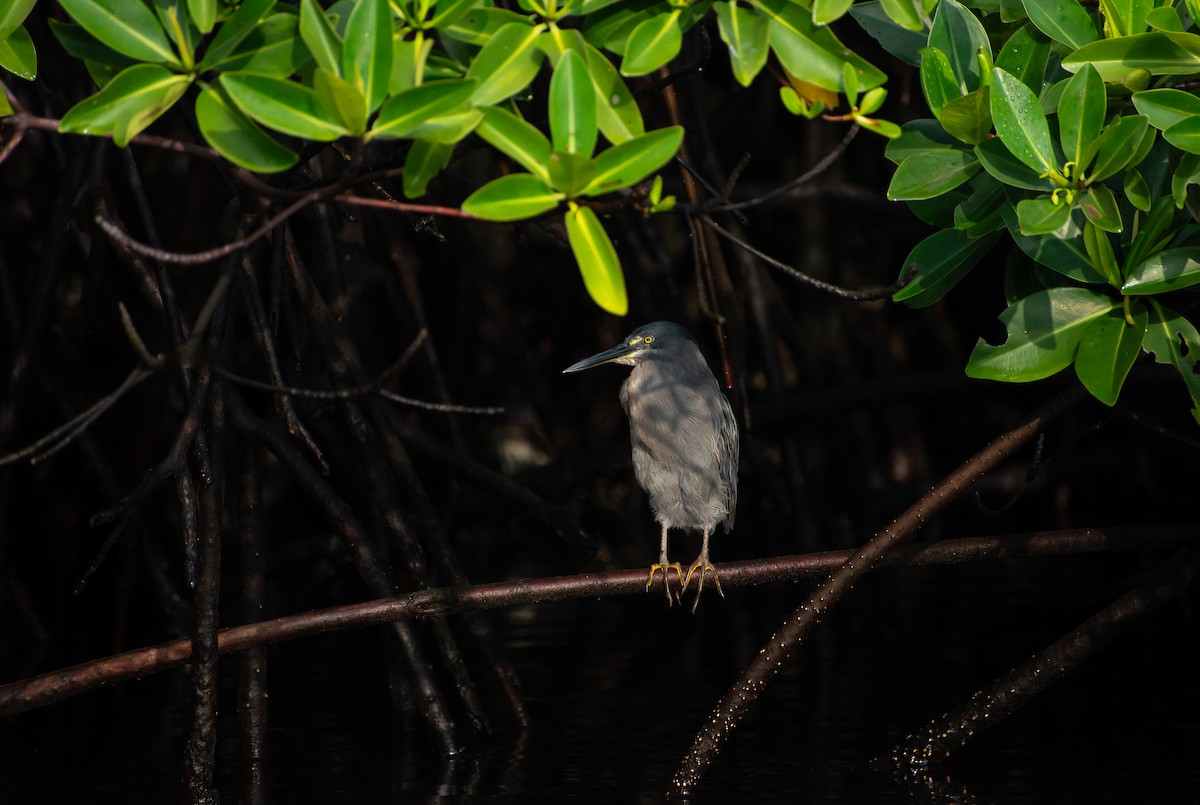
<point>617,353</point>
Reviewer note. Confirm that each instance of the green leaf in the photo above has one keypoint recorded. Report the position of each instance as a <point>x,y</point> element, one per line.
<point>632,161</point>
<point>284,106</point>
<point>570,173</point>
<point>175,20</point>
<point>1185,135</point>
<point>812,53</point>
<point>1025,56</point>
<point>960,35</point>
<point>598,261</point>
<point>203,14</point>
<point>617,112</point>
<point>1107,350</point>
<point>917,136</point>
<point>931,173</point>
<point>900,41</point>
<point>127,27</point>
<point>1154,234</point>
<point>18,56</point>
<point>506,64</point>
<point>1126,17</point>
<point>367,50</point>
<point>1116,147</point>
<point>511,198</point>
<point>6,108</point>
<point>653,43</point>
<point>1063,251</point>
<point>405,111</point>
<point>1165,271</point>
<point>341,99</point>
<point>449,128</point>
<point>1020,122</point>
<point>12,15</point>
<point>573,106</point>
<point>1166,107</point>
<point>320,38</point>
<point>1041,216</point>
<point>942,260</point>
<point>1159,53</point>
<point>1081,112</point>
<point>1044,331</point>
<point>1165,19</point>
<point>1063,21</point>
<point>481,23</point>
<point>233,31</point>
<point>1173,340</point>
<point>969,118</point>
<point>83,46</point>
<point>1188,173</point>
<point>744,32</point>
<point>1100,252</point>
<point>127,104</point>
<point>424,161</point>
<point>1136,190</point>
<point>826,11</point>
<point>236,137</point>
<point>272,47</point>
<point>1000,163</point>
<point>904,13</point>
<point>1100,206</point>
<point>516,138</point>
<point>979,214</point>
<point>938,83</point>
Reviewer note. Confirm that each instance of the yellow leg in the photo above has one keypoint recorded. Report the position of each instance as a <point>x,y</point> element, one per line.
<point>665,566</point>
<point>705,568</point>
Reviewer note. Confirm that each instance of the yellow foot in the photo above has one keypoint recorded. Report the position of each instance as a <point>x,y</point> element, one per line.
<point>664,567</point>
<point>705,569</point>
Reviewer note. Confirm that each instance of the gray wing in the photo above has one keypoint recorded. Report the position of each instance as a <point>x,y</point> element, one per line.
<point>729,454</point>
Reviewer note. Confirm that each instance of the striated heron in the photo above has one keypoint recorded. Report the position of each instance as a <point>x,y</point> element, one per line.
<point>684,437</point>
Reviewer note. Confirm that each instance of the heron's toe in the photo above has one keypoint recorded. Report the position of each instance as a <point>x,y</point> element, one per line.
<point>703,569</point>
<point>666,567</point>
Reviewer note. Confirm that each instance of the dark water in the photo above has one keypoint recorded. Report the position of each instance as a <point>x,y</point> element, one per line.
<point>617,688</point>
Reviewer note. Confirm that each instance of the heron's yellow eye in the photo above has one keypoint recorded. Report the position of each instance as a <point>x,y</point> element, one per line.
<point>648,339</point>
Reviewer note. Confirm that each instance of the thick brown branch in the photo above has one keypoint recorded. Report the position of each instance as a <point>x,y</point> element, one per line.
<point>55,686</point>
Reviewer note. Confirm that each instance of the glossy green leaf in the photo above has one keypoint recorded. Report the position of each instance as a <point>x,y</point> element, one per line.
<point>17,55</point>
<point>1100,206</point>
<point>367,50</point>
<point>1116,147</point>
<point>1041,216</point>
<point>969,118</point>
<point>1154,233</point>
<point>1025,56</point>
<point>1063,21</point>
<point>83,46</point>
<point>1020,122</point>
<point>1126,17</point>
<point>236,137</point>
<point>653,43</point>
<point>1188,173</point>
<point>1166,107</point>
<point>744,33</point>
<point>1107,350</point>
<point>424,161</point>
<point>617,112</point>
<point>1165,19</point>
<point>127,27</point>
<point>1159,53</point>
<point>931,173</point>
<point>12,15</point>
<point>127,104</point>
<point>341,99</point>
<point>237,27</point>
<point>1081,112</point>
<point>572,106</point>
<point>826,11</point>
<point>904,13</point>
<point>203,14</point>
<point>405,111</point>
<point>1173,340</point>
<point>1063,251</point>
<point>979,214</point>
<point>1044,331</point>
<point>598,261</point>
<point>479,24</point>
<point>176,21</point>
<point>1185,135</point>
<point>273,47</point>
<point>284,106</point>
<point>449,128</point>
<point>938,83</point>
<point>320,38</point>
<point>570,173</point>
<point>1165,271</point>
<point>812,53</point>
<point>1136,190</point>
<point>516,138</point>
<point>960,35</point>
<point>942,260</point>
<point>917,136</point>
<point>512,198</point>
<point>506,64</point>
<point>900,41</point>
<point>1100,251</point>
<point>632,161</point>
<point>6,108</point>
<point>998,161</point>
